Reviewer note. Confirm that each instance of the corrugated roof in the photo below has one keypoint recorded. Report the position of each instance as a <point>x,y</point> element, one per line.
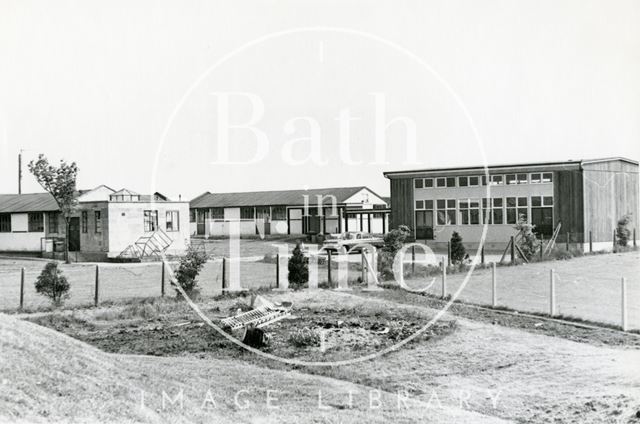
<point>31,202</point>
<point>272,198</point>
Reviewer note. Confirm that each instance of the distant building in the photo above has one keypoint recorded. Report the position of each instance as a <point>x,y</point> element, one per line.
<point>586,198</point>
<point>284,212</point>
<point>106,223</point>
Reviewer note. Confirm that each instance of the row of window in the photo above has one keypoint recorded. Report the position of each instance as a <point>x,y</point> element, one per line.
<point>172,222</point>
<point>477,211</point>
<point>35,222</point>
<point>481,180</point>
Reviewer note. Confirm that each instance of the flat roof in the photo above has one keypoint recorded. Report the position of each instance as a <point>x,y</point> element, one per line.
<point>274,197</point>
<point>481,169</point>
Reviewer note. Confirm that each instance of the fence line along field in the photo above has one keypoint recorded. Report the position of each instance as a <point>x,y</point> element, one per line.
<point>588,287</point>
<point>118,281</point>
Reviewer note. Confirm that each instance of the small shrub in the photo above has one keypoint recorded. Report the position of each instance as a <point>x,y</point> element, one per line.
<point>298,268</point>
<point>190,266</point>
<point>393,242</point>
<point>304,337</point>
<point>528,242</point>
<point>53,284</point>
<point>458,252</point>
<point>623,233</point>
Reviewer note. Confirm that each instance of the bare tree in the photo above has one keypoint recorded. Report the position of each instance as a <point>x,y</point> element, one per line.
<point>60,182</point>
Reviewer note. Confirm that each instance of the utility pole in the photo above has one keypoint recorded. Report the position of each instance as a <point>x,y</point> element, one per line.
<point>20,172</point>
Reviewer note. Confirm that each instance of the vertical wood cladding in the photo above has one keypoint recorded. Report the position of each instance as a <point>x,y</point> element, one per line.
<point>610,192</point>
<point>568,203</point>
<point>401,202</point>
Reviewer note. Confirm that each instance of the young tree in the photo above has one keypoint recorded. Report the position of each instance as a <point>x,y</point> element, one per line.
<point>623,234</point>
<point>393,242</point>
<point>528,241</point>
<point>60,182</point>
<point>53,284</point>
<point>458,252</point>
<point>298,268</point>
<point>190,266</point>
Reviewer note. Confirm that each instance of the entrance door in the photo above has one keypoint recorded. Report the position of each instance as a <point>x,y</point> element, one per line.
<point>201,215</point>
<point>542,218</point>
<point>74,234</point>
<point>424,225</point>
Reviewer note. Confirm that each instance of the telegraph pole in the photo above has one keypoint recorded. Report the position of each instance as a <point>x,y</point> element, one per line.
<point>20,172</point>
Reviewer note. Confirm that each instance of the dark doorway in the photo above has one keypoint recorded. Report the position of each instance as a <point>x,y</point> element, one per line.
<point>201,216</point>
<point>74,234</point>
<point>424,225</point>
<point>542,218</point>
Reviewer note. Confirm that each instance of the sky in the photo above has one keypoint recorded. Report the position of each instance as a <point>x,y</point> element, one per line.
<point>144,94</point>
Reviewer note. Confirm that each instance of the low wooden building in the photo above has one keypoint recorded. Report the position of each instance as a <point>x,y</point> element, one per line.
<point>313,211</point>
<point>104,225</point>
<point>584,198</point>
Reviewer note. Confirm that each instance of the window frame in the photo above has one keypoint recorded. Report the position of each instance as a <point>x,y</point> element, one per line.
<point>276,216</point>
<point>449,212</point>
<point>5,223</point>
<point>31,222</point>
<point>150,217</point>
<point>53,222</point>
<point>84,222</point>
<point>244,215</point>
<point>97,216</point>
<point>418,183</point>
<point>494,177</point>
<point>169,219</point>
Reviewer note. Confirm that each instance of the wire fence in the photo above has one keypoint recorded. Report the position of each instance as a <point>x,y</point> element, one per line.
<point>588,288</point>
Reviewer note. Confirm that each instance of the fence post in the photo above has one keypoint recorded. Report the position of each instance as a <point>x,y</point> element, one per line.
<point>277,270</point>
<point>224,272</point>
<point>614,241</point>
<point>513,250</point>
<point>363,266</point>
<point>95,298</point>
<point>413,260</point>
<point>552,293</point>
<point>494,288</point>
<point>634,237</point>
<point>329,255</point>
<point>444,279</point>
<point>624,303</point>
<point>567,241</point>
<point>482,255</point>
<point>162,281</point>
<point>541,246</point>
<point>449,253</point>
<point>590,242</point>
<point>21,288</point>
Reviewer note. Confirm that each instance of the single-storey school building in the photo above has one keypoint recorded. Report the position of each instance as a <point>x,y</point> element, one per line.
<point>296,212</point>
<point>583,199</point>
<point>106,223</point>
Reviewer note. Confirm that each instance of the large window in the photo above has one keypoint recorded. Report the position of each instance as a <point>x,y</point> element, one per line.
<point>173,221</point>
<point>36,222</point>
<point>279,213</point>
<point>446,211</point>
<point>5,222</point>
<point>192,215</point>
<point>418,183</point>
<point>217,213</point>
<point>469,211</point>
<point>516,209</point>
<point>497,180</point>
<point>85,221</point>
<point>497,214</point>
<point>53,219</point>
<point>247,213</point>
<point>98,217</point>
<point>262,212</point>
<point>150,221</point>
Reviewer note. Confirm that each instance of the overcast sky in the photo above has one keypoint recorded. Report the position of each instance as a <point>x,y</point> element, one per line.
<point>128,87</point>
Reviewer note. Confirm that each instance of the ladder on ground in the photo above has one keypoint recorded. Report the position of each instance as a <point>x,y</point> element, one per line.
<point>152,245</point>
